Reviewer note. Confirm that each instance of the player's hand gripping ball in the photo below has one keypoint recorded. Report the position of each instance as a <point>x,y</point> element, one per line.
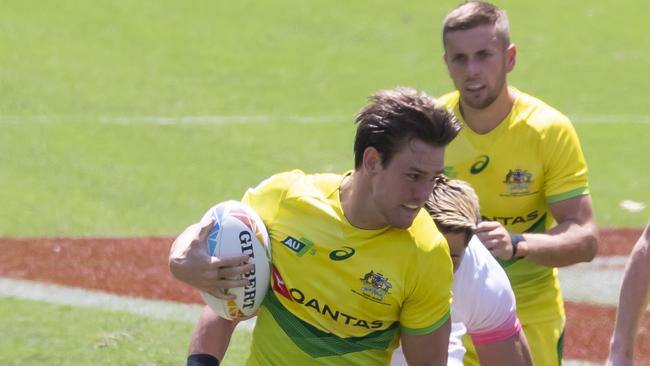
<point>238,230</point>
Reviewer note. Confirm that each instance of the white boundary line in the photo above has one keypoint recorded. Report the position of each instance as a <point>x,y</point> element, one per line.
<point>252,119</point>
<point>610,118</point>
<point>164,310</point>
<point>176,120</point>
<point>64,295</point>
<point>578,363</point>
<point>597,282</point>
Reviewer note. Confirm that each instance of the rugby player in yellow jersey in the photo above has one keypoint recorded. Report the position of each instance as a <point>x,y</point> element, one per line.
<point>525,162</point>
<point>483,305</point>
<point>371,269</point>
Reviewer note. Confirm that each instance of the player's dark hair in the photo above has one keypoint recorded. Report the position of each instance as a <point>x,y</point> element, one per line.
<point>472,14</point>
<point>397,116</point>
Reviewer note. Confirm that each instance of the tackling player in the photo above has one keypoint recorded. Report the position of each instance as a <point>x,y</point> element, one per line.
<point>375,270</point>
<point>525,162</point>
<point>484,304</point>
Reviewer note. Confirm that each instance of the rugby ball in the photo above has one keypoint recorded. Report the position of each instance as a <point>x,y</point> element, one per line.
<point>238,230</point>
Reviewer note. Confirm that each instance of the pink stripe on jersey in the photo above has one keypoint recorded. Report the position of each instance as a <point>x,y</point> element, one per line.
<point>506,330</point>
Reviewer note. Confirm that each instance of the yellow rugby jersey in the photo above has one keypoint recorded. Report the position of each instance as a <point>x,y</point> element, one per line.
<point>340,295</point>
<point>532,158</point>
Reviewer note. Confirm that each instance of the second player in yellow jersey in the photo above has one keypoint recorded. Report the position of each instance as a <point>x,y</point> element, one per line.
<point>533,158</point>
<point>525,162</point>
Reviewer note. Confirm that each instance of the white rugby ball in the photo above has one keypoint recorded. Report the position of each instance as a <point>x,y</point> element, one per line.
<point>238,230</point>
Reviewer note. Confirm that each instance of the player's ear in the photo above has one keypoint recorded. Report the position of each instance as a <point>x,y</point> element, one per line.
<point>511,57</point>
<point>371,160</point>
<point>445,58</point>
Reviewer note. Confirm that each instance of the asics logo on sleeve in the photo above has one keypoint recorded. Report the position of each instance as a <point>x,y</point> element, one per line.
<point>480,165</point>
<point>341,254</point>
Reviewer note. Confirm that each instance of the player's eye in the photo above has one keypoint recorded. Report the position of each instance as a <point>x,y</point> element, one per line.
<point>458,59</point>
<point>482,55</point>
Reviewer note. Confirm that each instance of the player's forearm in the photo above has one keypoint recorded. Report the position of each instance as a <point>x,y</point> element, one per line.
<point>211,335</point>
<point>633,300</point>
<point>567,243</point>
<point>513,351</point>
<point>427,350</point>
<point>627,322</point>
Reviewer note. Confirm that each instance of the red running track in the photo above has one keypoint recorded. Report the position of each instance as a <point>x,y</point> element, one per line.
<point>138,267</point>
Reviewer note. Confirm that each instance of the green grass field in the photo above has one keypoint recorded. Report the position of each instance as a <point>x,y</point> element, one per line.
<point>38,333</point>
<point>86,88</point>
<point>132,118</point>
<point>94,97</point>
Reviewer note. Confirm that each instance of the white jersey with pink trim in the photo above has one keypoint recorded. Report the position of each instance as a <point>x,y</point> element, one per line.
<point>484,300</point>
<point>483,305</point>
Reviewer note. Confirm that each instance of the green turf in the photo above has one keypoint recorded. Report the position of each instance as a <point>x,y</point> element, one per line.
<point>96,179</point>
<point>617,157</point>
<point>37,333</point>
<point>69,67</point>
<point>79,178</point>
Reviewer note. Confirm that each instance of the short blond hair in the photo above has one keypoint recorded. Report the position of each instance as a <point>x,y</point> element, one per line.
<point>472,14</point>
<point>454,206</point>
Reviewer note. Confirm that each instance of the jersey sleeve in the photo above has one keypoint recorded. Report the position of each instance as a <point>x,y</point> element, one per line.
<point>265,198</point>
<point>494,316</point>
<point>427,304</point>
<point>564,162</point>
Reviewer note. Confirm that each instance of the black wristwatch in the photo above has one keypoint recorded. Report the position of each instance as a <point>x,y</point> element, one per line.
<point>202,359</point>
<point>515,239</point>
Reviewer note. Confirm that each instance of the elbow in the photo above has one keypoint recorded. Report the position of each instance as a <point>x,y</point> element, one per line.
<point>172,265</point>
<point>175,266</point>
<point>177,259</point>
<point>591,243</point>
